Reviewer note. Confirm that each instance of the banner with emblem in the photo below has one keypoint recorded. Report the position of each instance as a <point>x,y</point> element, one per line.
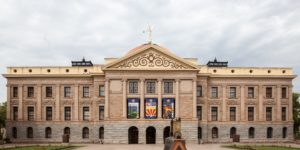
<point>133,108</point>
<point>168,108</point>
<point>151,108</point>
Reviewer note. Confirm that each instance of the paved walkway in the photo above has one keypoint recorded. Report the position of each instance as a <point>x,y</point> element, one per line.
<point>148,147</point>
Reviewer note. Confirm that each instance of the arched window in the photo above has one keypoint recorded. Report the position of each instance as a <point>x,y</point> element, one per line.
<point>214,132</point>
<point>269,132</point>
<point>14,132</point>
<point>232,132</point>
<point>29,132</point>
<point>67,130</point>
<point>284,132</point>
<point>251,132</point>
<point>85,133</point>
<point>199,133</point>
<point>101,133</point>
<point>48,132</point>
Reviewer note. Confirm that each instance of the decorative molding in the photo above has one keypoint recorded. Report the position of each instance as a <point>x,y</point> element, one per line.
<point>251,102</point>
<point>269,102</point>
<point>28,102</point>
<point>86,102</point>
<point>151,59</point>
<point>214,102</point>
<point>48,102</point>
<point>67,102</point>
<point>15,102</point>
<point>232,102</point>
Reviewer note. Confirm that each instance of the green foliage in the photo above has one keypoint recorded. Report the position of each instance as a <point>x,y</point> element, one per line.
<point>296,112</point>
<point>2,114</point>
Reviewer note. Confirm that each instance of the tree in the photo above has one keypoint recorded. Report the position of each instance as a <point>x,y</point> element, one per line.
<point>2,114</point>
<point>296,112</point>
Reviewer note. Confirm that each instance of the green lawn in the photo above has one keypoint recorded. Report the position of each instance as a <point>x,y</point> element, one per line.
<point>42,148</point>
<point>253,147</point>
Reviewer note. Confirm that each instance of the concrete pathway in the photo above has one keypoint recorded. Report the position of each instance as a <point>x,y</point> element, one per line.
<point>147,147</point>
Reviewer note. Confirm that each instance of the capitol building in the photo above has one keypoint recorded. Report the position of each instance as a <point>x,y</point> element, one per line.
<point>132,99</point>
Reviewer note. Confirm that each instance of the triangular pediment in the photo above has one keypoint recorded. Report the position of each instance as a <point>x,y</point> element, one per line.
<point>150,57</point>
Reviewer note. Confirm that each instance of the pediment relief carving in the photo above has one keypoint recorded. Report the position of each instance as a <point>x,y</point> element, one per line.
<point>151,59</point>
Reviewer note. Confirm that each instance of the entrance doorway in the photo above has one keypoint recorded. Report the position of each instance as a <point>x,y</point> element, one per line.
<point>133,135</point>
<point>166,132</point>
<point>150,135</point>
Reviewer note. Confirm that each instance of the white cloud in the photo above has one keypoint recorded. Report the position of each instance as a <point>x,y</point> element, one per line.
<point>245,32</point>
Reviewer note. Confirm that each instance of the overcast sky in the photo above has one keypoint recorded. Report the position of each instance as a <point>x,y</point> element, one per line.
<point>245,33</point>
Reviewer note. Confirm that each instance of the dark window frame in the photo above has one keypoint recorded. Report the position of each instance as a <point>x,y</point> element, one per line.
<point>214,92</point>
<point>269,113</point>
<point>283,92</point>
<point>67,91</point>
<point>49,113</point>
<point>133,86</point>
<point>101,90</point>
<point>29,132</point>
<point>150,87</point>
<point>269,92</point>
<point>199,112</point>
<point>214,113</point>
<point>68,114</point>
<point>251,113</point>
<point>49,91</point>
<point>214,133</point>
<point>199,91</point>
<point>86,113</point>
<point>168,87</point>
<point>283,113</point>
<point>232,93</point>
<point>269,132</point>
<point>251,92</point>
<point>15,92</point>
<point>85,133</point>
<point>101,112</point>
<point>232,113</point>
<point>48,133</point>
<point>251,133</point>
<point>85,91</point>
<point>30,92</point>
<point>30,113</point>
<point>15,113</point>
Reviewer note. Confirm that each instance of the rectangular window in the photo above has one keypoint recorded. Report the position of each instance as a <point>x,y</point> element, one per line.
<point>269,113</point>
<point>214,113</point>
<point>250,113</point>
<point>133,108</point>
<point>86,91</point>
<point>283,92</point>
<point>199,112</point>
<point>250,92</point>
<point>67,91</point>
<point>232,113</point>
<point>15,113</point>
<point>150,87</point>
<point>15,92</point>
<point>133,87</point>
<point>151,108</point>
<point>199,90</point>
<point>49,91</point>
<point>269,92</point>
<point>67,113</point>
<point>30,91</point>
<point>168,87</point>
<point>101,90</point>
<point>30,113</point>
<point>168,108</point>
<point>86,113</point>
<point>48,113</point>
<point>283,113</point>
<point>214,92</point>
<point>101,112</point>
<point>232,92</point>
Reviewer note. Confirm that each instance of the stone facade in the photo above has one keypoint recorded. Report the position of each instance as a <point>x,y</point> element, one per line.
<point>148,62</point>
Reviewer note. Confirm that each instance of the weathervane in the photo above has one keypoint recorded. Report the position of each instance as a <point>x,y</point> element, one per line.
<point>149,30</point>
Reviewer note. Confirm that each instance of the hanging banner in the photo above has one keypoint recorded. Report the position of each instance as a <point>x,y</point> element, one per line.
<point>151,108</point>
<point>168,108</point>
<point>133,108</point>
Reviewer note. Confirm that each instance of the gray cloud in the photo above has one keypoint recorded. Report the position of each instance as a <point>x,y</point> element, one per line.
<point>246,33</point>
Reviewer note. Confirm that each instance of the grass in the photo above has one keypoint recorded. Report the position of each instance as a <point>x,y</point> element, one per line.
<point>42,148</point>
<point>250,147</point>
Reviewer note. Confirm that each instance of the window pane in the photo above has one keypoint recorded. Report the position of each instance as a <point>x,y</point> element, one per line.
<point>269,92</point>
<point>86,92</point>
<point>48,113</point>
<point>269,113</point>
<point>101,90</point>
<point>86,113</point>
<point>250,92</point>
<point>67,113</point>
<point>199,91</point>
<point>232,113</point>
<point>67,92</point>
<point>48,91</point>
<point>101,112</point>
<point>250,113</point>
<point>199,112</point>
<point>232,92</point>
<point>214,92</point>
<point>214,113</point>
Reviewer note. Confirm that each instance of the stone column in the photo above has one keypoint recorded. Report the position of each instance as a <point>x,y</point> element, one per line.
<point>8,112</point>
<point>39,103</point>
<point>242,103</point>
<point>177,103</point>
<point>159,89</point>
<point>142,96</point>
<point>57,103</point>
<point>260,103</point>
<point>124,98</point>
<point>278,103</point>
<point>76,102</point>
<point>106,107</point>
<point>224,105</point>
<point>194,99</point>
<point>20,106</point>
